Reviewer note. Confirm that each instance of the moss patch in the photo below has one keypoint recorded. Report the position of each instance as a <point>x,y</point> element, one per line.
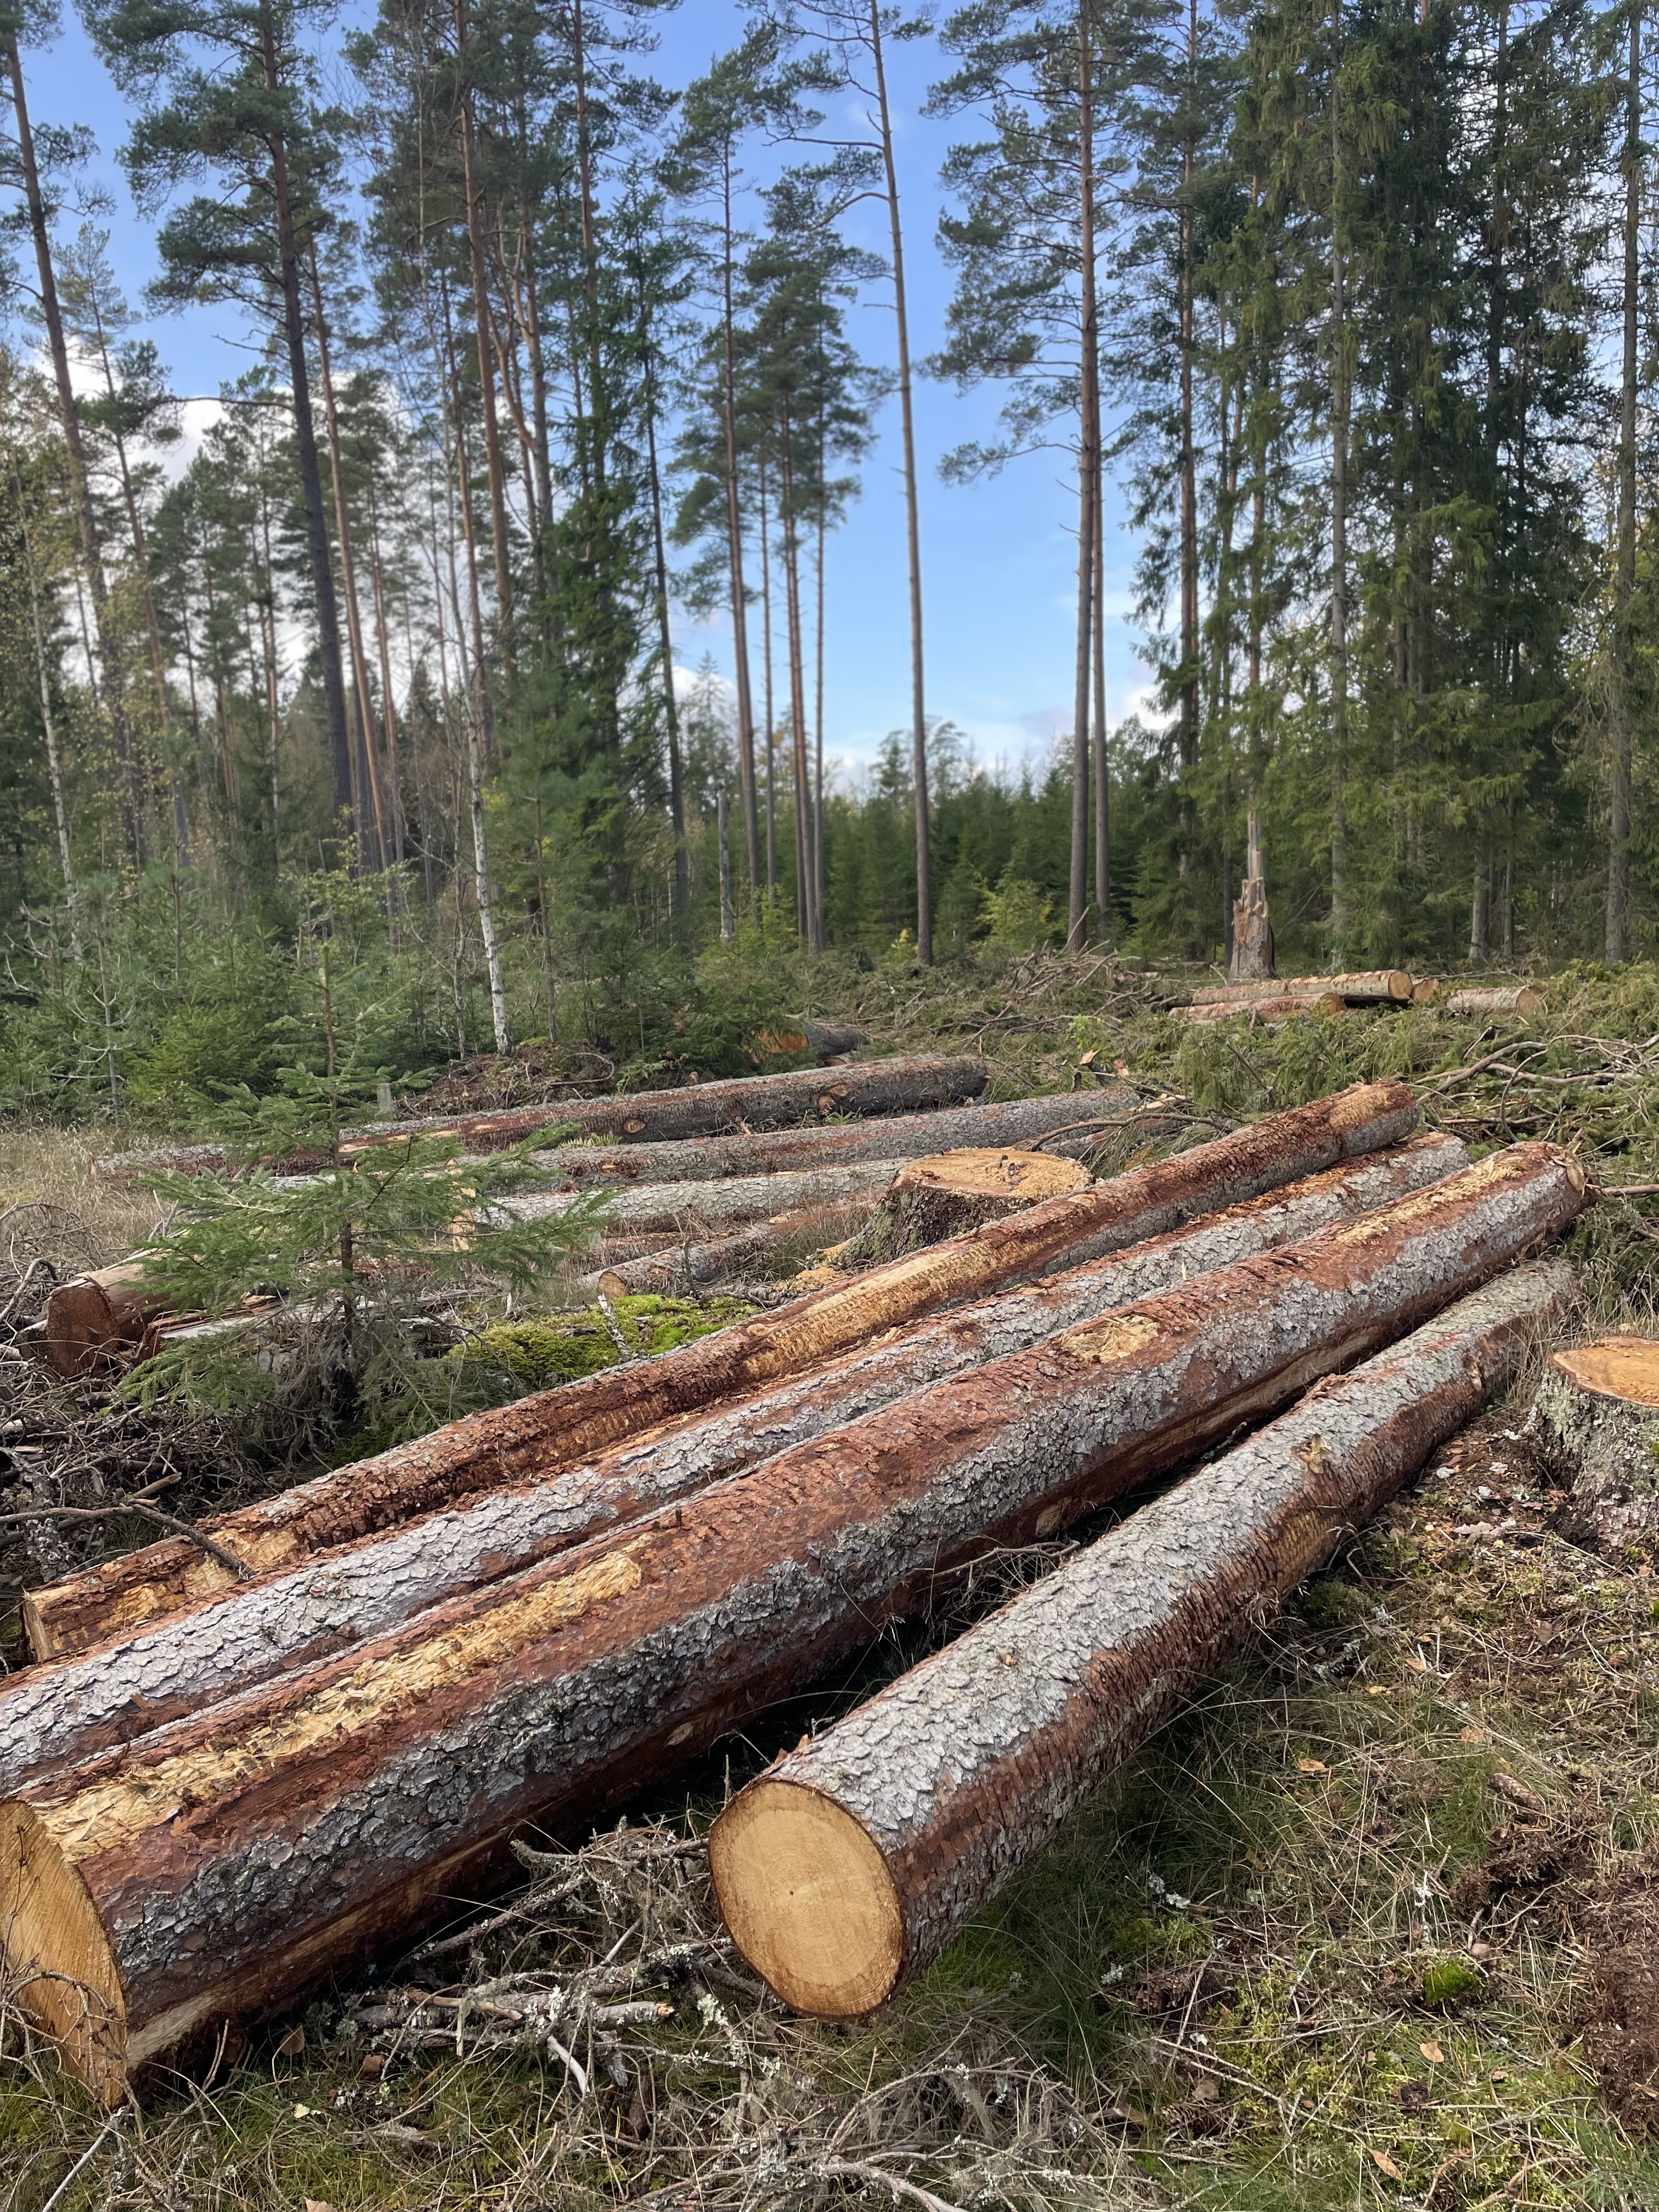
<point>555,1348</point>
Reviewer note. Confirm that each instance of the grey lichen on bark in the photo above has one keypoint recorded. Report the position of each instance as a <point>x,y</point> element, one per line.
<point>1597,1410</point>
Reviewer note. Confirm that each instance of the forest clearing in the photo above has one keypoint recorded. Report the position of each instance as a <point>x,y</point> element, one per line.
<point>828,1107</point>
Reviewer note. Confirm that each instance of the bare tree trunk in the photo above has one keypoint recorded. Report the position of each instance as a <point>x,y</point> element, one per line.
<point>305,431</point>
<point>1339,522</point>
<point>734,553</point>
<point>912,508</point>
<point>388,704</point>
<point>492,436</point>
<point>1618,805</point>
<point>806,841</point>
<point>771,733</point>
<point>48,724</point>
<point>1088,479</point>
<point>1103,763</point>
<point>347,565</point>
<point>727,922</point>
<point>109,652</point>
<point>666,644</point>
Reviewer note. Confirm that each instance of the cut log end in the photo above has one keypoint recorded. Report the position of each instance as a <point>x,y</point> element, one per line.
<point>808,1899</point>
<point>950,1193</point>
<point>1624,1367</point>
<point>58,1957</point>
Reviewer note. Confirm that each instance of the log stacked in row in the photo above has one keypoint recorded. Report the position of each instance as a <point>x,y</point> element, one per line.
<point>219,1859</point>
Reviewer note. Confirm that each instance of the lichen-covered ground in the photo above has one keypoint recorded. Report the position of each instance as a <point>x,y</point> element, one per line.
<point>1370,1924</point>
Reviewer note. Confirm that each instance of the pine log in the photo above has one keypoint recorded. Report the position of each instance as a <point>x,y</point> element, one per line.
<point>825,1041</point>
<point>849,1867</point>
<point>700,1109</point>
<point>952,1194</point>
<point>1267,1010</point>
<point>660,1208</point>
<point>94,1322</point>
<point>1425,990</point>
<point>1018,1122</point>
<point>1499,998</point>
<point>1374,987</point>
<point>558,1427</point>
<point>223,1864</point>
<point>251,1632</point>
<point>1598,1417</point>
<point>681,1270</point>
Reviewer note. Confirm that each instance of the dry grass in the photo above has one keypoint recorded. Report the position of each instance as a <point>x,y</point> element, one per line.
<point>45,1166</point>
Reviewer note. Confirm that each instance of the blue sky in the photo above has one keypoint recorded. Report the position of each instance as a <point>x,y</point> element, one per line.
<point>998,556</point>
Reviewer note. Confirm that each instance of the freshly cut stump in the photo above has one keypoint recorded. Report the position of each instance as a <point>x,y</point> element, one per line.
<point>1279,1007</point>
<point>1501,999</point>
<point>558,1427</point>
<point>952,1194</point>
<point>1598,1408</point>
<point>53,1715</point>
<point>94,1321</point>
<point>230,1860</point>
<point>851,1863</point>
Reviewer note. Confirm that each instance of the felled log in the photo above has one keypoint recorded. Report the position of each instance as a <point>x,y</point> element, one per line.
<point>952,1194</point>
<point>660,1208</point>
<point>221,1864</point>
<point>250,1632</point>
<point>1017,1122</point>
<point>905,1085</point>
<point>1373,986</point>
<point>1598,1418</point>
<point>825,1041</point>
<point>681,1270</point>
<point>1425,990</point>
<point>94,1321</point>
<point>562,1427</point>
<point>851,1863</point>
<point>1499,998</point>
<point>1267,1010</point>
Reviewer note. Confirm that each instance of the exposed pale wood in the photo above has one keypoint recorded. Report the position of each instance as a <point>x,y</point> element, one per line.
<point>851,1863</point>
<point>1376,986</point>
<point>705,1208</point>
<point>250,1632</point>
<point>1503,999</point>
<point>1265,1009</point>
<point>562,1427</point>
<point>700,1109</point>
<point>1425,989</point>
<point>97,1319</point>
<point>234,1858</point>
<point>1598,1411</point>
<point>952,1193</point>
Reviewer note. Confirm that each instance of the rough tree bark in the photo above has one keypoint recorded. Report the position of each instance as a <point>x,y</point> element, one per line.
<point>1373,986</point>
<point>220,1865</point>
<point>488,1450</point>
<point>247,1633</point>
<point>1253,932</point>
<point>1278,1009</point>
<point>850,1865</point>
<point>1598,1413</point>
<point>668,1206</point>
<point>95,1318</point>
<point>683,1270</point>
<point>700,1109</point>
<point>951,1194</point>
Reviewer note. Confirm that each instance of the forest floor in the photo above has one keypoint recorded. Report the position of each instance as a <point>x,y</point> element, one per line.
<point>1375,1922</point>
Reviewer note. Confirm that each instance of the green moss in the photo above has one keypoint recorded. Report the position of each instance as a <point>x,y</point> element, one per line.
<point>1327,1603</point>
<point>562,1347</point>
<point>1448,1981</point>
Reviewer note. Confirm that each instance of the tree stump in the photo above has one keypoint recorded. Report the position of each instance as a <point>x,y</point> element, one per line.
<point>952,1192</point>
<point>1598,1410</point>
<point>1253,932</point>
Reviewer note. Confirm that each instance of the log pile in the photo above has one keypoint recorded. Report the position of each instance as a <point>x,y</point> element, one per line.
<point>236,1772</point>
<point>1279,998</point>
<point>699,1110</point>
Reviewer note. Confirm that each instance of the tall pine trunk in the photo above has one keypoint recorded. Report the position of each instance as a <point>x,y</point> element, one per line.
<point>1618,912</point>
<point>734,548</point>
<point>496,475</point>
<point>912,510</point>
<point>670,703</point>
<point>109,650</point>
<point>1339,527</point>
<point>1088,478</point>
<point>304,433</point>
